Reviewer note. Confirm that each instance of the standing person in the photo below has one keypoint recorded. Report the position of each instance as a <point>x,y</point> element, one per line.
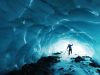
<point>70,48</point>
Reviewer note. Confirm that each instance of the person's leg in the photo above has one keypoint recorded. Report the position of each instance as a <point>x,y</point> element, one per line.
<point>69,52</point>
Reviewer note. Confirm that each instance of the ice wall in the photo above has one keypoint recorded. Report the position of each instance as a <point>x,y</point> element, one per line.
<point>29,27</point>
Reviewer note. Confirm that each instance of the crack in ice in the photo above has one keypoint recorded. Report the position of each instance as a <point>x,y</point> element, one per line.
<point>95,13</point>
<point>31,1</point>
<point>72,30</point>
<point>25,37</point>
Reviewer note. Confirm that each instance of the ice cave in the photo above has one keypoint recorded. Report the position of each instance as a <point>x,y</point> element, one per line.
<point>33,29</point>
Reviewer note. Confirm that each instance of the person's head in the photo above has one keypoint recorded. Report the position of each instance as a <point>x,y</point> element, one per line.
<point>69,44</point>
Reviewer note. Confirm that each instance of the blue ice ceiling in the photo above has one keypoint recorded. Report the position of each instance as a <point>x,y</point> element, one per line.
<point>29,28</point>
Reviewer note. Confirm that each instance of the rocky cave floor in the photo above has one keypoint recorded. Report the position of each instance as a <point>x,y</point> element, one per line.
<point>53,65</point>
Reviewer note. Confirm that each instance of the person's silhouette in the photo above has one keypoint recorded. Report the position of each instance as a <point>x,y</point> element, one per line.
<point>70,48</point>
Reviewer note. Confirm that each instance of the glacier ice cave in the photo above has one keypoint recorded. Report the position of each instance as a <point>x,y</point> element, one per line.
<point>31,29</point>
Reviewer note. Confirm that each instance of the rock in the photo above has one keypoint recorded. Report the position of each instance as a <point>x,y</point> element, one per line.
<point>94,64</point>
<point>42,67</point>
<point>58,53</point>
<point>98,71</point>
<point>78,59</point>
<point>60,68</point>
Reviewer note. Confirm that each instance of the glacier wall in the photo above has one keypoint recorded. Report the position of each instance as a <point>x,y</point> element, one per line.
<point>28,28</point>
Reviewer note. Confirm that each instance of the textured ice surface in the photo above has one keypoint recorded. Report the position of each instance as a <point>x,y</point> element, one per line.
<point>28,28</point>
